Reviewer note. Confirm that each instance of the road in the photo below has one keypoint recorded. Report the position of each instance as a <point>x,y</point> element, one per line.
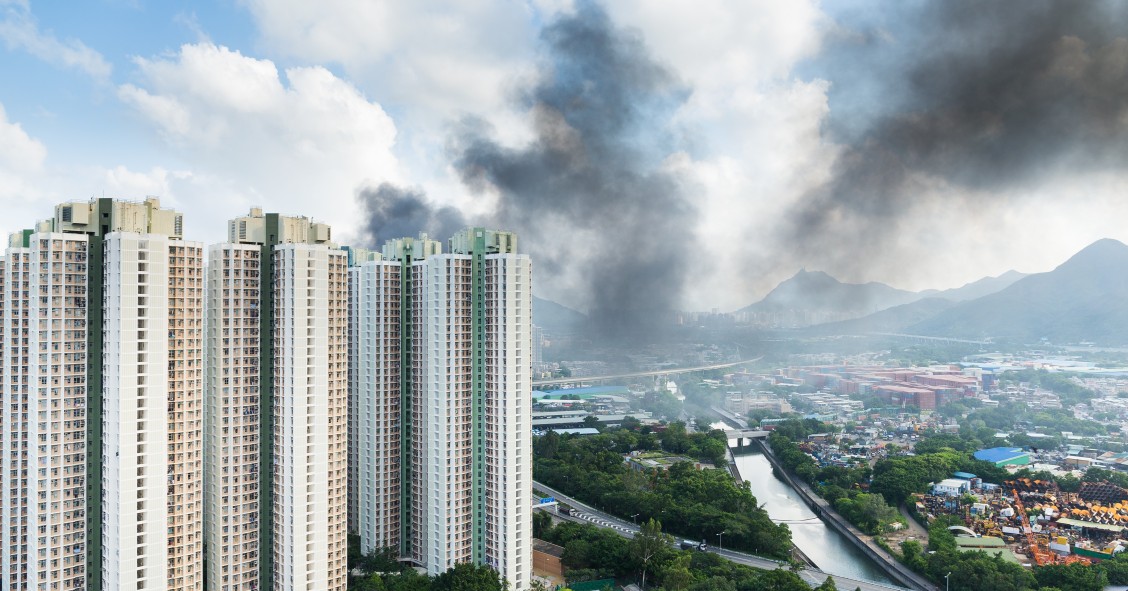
<point>928,338</point>
<point>582,513</point>
<point>642,374</point>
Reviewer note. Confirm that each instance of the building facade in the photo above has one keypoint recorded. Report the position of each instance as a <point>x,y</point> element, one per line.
<point>442,352</point>
<point>101,390</point>
<point>277,432</point>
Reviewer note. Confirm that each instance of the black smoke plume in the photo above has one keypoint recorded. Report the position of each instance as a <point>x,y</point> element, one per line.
<point>589,194</point>
<point>990,96</point>
<point>393,212</point>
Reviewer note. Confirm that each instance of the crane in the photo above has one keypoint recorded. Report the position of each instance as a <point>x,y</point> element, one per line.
<point>1040,555</point>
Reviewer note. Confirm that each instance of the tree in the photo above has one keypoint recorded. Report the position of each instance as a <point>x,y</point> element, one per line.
<point>369,583</point>
<point>542,524</point>
<point>713,451</point>
<point>913,555</point>
<point>407,581</point>
<point>1117,569</point>
<point>675,438</point>
<point>1076,577</point>
<point>466,576</point>
<point>648,543</point>
<point>781,580</point>
<point>714,583</point>
<point>662,404</point>
<point>547,445</point>
<point>380,560</point>
<point>873,510</point>
<point>827,585</point>
<point>676,575</point>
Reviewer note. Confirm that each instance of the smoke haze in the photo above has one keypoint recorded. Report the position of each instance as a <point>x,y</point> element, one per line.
<point>959,105</point>
<point>394,212</point>
<point>992,99</point>
<point>590,195</point>
<point>590,190</point>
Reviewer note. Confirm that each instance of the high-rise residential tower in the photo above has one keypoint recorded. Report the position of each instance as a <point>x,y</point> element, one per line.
<point>101,390</point>
<point>441,348</point>
<point>276,426</point>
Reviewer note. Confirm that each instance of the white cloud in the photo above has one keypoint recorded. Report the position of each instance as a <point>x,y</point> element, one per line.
<point>960,235</point>
<point>299,142</point>
<point>445,58</point>
<point>18,150</point>
<point>31,185</point>
<point>22,163</point>
<point>19,30</point>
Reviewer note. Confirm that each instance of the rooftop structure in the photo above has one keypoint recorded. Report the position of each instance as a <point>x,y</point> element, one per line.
<point>1004,456</point>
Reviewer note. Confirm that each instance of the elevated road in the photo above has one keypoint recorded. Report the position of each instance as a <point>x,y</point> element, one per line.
<point>643,374</point>
<point>923,338</point>
<point>584,513</point>
<point>747,434</point>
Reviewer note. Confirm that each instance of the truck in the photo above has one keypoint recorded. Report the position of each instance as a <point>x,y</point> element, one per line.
<point>692,545</point>
<point>564,510</point>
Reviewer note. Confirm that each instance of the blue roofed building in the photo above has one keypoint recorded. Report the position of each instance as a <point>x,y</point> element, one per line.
<point>1004,456</point>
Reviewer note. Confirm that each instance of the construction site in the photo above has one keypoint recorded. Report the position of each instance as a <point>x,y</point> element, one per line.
<point>1033,522</point>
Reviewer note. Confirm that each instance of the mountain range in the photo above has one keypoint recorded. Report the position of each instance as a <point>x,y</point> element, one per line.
<point>556,318</point>
<point>815,295</point>
<point>1083,299</point>
<point>812,298</point>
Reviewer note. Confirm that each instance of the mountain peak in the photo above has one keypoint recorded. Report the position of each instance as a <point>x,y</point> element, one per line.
<point>812,297</point>
<point>811,276</point>
<point>1101,252</point>
<point>1079,300</point>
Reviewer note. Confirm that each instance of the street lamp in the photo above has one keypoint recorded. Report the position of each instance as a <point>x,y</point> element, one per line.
<point>946,581</point>
<point>720,540</point>
<point>633,518</point>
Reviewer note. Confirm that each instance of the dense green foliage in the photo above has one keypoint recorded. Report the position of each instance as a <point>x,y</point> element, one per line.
<point>840,486</point>
<point>972,571</point>
<point>896,478</point>
<point>1060,383</point>
<point>591,553</point>
<point>663,404</point>
<point>1008,414</point>
<point>382,572</point>
<point>1100,474</point>
<point>937,457</point>
<point>693,503</point>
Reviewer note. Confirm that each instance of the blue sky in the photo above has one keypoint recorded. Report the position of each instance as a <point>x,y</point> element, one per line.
<point>300,107</point>
<point>76,112</point>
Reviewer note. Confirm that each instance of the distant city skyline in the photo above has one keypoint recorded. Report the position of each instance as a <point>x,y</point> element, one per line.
<point>876,142</point>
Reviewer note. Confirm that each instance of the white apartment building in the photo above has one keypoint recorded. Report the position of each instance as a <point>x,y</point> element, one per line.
<point>232,423</point>
<point>100,372</point>
<point>460,382</point>
<point>375,398</point>
<point>508,416</point>
<point>276,429</point>
<point>43,437</point>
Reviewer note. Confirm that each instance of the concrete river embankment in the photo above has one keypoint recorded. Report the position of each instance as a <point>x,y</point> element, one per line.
<point>832,544</point>
<point>828,549</point>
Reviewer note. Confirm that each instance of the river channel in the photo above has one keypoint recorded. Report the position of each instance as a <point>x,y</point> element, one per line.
<point>829,550</point>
